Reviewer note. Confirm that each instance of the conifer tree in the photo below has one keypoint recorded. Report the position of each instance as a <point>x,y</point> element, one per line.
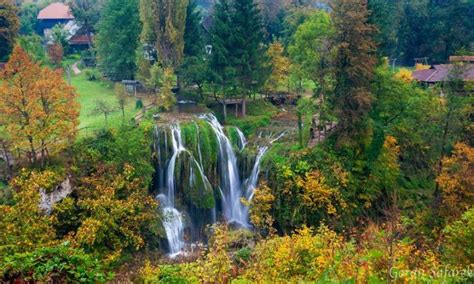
<point>221,32</point>
<point>248,52</point>
<point>9,27</point>
<point>193,43</point>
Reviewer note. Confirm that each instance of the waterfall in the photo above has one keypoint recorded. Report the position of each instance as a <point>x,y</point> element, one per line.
<point>173,221</point>
<point>253,179</point>
<point>243,141</point>
<point>177,145</point>
<point>191,177</point>
<point>173,224</point>
<point>233,208</point>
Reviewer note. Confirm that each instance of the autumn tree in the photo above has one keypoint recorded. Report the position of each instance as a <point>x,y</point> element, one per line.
<point>279,67</point>
<point>457,181</point>
<point>9,27</point>
<point>353,66</point>
<point>456,109</point>
<point>39,108</point>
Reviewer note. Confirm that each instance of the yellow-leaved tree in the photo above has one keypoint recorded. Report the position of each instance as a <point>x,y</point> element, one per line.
<point>279,66</point>
<point>38,108</point>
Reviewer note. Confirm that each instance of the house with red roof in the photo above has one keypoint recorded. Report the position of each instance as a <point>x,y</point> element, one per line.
<point>53,14</point>
<point>60,13</point>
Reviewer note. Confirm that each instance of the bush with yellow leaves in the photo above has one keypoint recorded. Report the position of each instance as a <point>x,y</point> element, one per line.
<point>23,225</point>
<point>404,75</point>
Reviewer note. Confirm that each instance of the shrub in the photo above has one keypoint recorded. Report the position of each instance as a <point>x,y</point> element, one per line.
<point>56,264</point>
<point>459,245</point>
<point>92,74</point>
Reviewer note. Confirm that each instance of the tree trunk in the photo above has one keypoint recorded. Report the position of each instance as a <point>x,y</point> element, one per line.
<point>300,129</point>
<point>7,159</point>
<point>224,110</point>
<point>244,106</point>
<point>32,149</point>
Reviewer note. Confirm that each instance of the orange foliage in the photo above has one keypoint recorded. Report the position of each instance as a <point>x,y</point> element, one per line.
<point>457,180</point>
<point>38,108</point>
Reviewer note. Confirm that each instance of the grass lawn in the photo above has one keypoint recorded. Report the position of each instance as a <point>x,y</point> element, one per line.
<point>91,91</point>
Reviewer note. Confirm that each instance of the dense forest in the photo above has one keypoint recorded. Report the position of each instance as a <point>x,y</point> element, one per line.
<point>237,141</point>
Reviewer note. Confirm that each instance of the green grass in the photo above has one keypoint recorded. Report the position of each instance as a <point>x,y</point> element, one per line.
<point>91,91</point>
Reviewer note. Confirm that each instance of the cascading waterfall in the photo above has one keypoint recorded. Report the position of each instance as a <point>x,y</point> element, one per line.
<point>234,210</point>
<point>253,179</point>
<point>197,166</point>
<point>243,141</point>
<point>173,225</point>
<point>173,221</point>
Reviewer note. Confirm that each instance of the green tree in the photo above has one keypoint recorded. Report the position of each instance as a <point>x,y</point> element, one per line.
<point>87,15</point>
<point>311,48</point>
<point>117,40</point>
<point>221,62</point>
<point>28,18</point>
<point>458,245</point>
<point>32,44</point>
<point>193,41</point>
<point>194,71</point>
<point>248,53</point>
<point>385,15</point>
<point>9,27</point>
<point>60,37</point>
<point>164,24</point>
<point>354,64</point>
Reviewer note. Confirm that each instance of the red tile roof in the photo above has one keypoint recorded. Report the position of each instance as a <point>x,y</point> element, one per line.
<point>56,11</point>
<point>79,40</point>
<point>439,73</point>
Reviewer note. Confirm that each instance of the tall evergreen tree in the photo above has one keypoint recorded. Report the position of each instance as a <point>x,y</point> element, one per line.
<point>384,14</point>
<point>248,52</point>
<point>221,32</point>
<point>117,40</point>
<point>193,43</point>
<point>354,65</point>
<point>9,26</point>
